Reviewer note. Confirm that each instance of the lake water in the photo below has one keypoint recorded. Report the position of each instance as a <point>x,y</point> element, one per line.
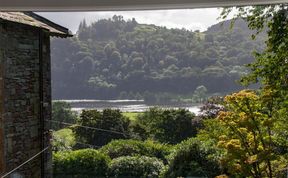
<point>124,105</point>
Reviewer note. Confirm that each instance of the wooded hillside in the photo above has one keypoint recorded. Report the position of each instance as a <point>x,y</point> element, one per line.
<point>114,58</point>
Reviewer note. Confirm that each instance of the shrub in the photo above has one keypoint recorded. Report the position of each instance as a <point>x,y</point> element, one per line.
<point>118,148</point>
<point>140,167</point>
<point>63,140</point>
<point>190,158</point>
<point>80,163</point>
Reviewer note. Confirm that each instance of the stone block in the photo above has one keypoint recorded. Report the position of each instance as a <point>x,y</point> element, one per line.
<point>34,131</point>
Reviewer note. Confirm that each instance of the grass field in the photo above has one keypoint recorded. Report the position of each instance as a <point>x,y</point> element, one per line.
<point>131,115</point>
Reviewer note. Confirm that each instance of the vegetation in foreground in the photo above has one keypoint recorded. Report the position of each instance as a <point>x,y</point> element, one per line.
<point>242,135</point>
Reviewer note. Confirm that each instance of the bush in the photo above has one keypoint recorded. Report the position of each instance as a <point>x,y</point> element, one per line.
<point>118,148</point>
<point>190,158</point>
<point>130,167</point>
<point>166,125</point>
<point>80,163</point>
<point>63,140</point>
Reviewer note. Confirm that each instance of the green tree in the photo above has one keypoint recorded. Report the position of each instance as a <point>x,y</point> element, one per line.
<point>270,68</point>
<point>62,113</point>
<point>109,124</point>
<point>82,30</point>
<point>209,38</point>
<point>200,93</point>
<point>248,136</point>
<point>166,125</point>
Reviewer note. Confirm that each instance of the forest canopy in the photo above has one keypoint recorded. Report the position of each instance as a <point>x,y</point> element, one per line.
<point>116,58</point>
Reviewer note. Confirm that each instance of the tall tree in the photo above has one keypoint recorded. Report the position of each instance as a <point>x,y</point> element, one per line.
<point>270,66</point>
<point>254,135</point>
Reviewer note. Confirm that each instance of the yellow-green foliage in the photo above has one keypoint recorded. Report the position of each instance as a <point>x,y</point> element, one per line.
<point>63,140</point>
<point>131,115</point>
<point>249,137</point>
<point>257,132</point>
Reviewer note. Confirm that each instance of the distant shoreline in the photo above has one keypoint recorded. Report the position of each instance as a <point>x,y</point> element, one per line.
<point>91,100</point>
<point>127,105</point>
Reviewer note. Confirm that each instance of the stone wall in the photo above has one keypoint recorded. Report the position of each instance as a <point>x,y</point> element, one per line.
<point>2,157</point>
<point>25,81</point>
<point>47,105</point>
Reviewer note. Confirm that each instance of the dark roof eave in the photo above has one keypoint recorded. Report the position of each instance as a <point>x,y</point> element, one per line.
<point>66,31</point>
<point>61,35</point>
<point>36,21</point>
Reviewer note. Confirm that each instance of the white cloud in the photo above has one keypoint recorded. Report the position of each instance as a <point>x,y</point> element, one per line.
<point>191,19</point>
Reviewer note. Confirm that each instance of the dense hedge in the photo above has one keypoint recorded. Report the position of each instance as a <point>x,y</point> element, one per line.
<point>190,158</point>
<point>131,158</point>
<point>131,167</point>
<point>118,148</point>
<point>80,163</point>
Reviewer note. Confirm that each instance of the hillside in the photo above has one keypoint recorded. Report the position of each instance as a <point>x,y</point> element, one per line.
<point>114,58</point>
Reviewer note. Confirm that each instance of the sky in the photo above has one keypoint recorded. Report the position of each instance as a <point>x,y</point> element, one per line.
<point>191,19</point>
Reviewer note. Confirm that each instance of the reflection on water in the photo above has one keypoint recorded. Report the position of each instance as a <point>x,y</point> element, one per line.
<point>125,105</point>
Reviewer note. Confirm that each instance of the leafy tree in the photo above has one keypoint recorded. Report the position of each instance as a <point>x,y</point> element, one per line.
<point>109,124</point>
<point>269,66</point>
<point>137,63</point>
<point>61,112</point>
<point>166,125</point>
<point>116,57</point>
<point>85,67</point>
<point>249,137</point>
<point>200,93</point>
<point>82,34</point>
<point>209,38</point>
<point>271,70</point>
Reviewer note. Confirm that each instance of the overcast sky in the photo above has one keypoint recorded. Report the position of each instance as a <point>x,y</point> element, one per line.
<point>191,19</point>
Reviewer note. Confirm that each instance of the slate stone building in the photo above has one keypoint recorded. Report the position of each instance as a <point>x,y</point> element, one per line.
<point>25,93</point>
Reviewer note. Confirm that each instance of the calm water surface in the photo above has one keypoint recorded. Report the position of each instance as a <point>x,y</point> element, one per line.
<point>124,105</point>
